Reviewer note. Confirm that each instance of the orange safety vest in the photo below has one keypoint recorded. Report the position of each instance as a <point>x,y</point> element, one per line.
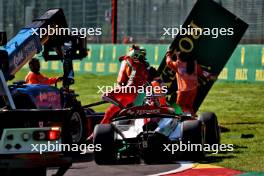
<point>185,81</point>
<point>34,78</point>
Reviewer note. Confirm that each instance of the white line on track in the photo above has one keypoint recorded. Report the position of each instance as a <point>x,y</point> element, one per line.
<point>184,165</point>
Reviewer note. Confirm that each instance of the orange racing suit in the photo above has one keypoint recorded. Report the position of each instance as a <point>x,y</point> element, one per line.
<point>132,73</point>
<point>187,83</point>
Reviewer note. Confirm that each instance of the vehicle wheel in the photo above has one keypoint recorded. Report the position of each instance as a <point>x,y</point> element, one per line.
<point>104,135</point>
<point>212,131</point>
<point>193,136</point>
<point>76,126</point>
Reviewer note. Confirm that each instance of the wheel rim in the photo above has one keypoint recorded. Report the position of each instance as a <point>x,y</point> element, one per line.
<point>76,127</point>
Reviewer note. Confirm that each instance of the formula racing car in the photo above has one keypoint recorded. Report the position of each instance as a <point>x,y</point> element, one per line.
<point>151,133</point>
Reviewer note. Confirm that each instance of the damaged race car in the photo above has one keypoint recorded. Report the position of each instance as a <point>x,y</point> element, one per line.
<point>143,132</point>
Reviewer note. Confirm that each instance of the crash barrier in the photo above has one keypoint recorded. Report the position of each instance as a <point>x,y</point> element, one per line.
<point>246,64</point>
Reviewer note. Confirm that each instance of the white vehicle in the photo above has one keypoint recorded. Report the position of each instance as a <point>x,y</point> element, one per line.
<point>144,131</point>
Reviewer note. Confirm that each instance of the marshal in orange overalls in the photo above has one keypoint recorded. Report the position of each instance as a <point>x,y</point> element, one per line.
<point>187,83</point>
<point>38,78</point>
<point>132,73</point>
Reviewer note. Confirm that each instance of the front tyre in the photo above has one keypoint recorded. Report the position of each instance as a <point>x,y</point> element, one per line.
<point>104,136</point>
<point>212,130</point>
<point>193,136</point>
<point>76,126</point>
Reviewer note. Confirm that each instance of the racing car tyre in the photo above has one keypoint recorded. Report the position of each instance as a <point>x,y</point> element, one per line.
<point>104,135</point>
<point>76,125</point>
<point>212,131</point>
<point>193,135</point>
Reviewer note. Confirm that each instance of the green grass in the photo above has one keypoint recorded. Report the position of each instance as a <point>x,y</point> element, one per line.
<point>239,107</point>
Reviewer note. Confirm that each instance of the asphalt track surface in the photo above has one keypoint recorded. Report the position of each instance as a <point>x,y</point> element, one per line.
<point>85,165</point>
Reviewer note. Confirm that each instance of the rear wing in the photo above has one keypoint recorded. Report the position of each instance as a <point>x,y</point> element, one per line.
<point>143,116</point>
